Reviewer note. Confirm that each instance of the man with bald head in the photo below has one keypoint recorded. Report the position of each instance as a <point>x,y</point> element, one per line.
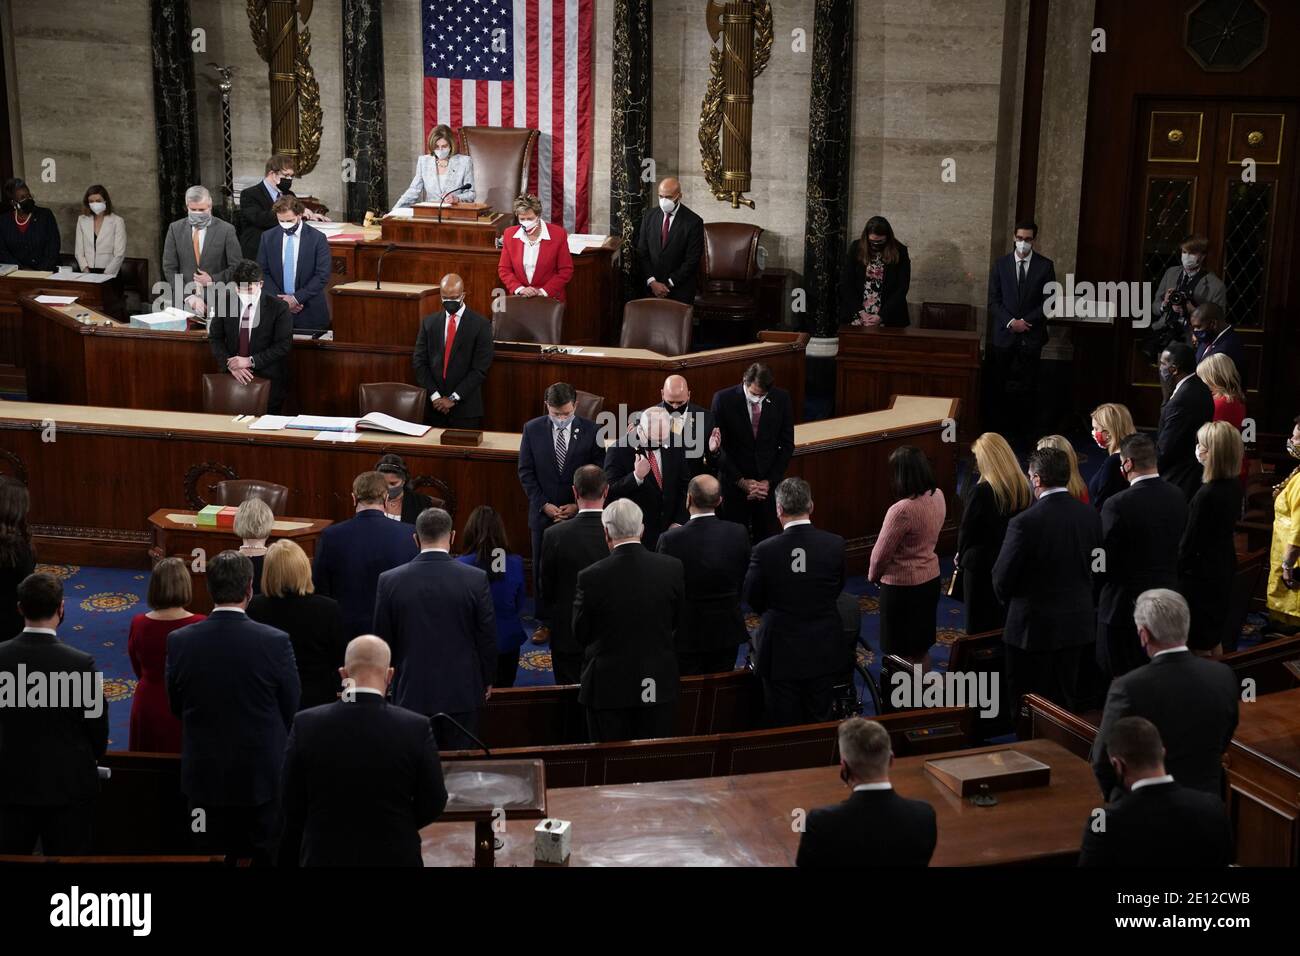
<point>669,245</point>
<point>715,555</point>
<point>649,466</point>
<point>453,352</point>
<point>361,775</point>
<point>693,427</point>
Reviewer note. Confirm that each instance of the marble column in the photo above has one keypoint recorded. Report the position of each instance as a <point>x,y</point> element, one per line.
<point>829,146</point>
<point>364,134</point>
<point>175,107</point>
<point>630,112</point>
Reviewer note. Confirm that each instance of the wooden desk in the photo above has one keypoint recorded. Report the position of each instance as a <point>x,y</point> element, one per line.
<point>481,230</point>
<point>746,820</point>
<point>102,296</point>
<point>118,366</point>
<point>483,791</point>
<point>873,364</point>
<point>112,467</point>
<point>174,534</point>
<point>388,315</point>
<point>1263,766</point>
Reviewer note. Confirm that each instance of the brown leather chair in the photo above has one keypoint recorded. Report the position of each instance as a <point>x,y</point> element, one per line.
<point>398,399</point>
<point>222,395</point>
<point>588,405</point>
<point>660,325</point>
<point>729,276</point>
<point>500,156</point>
<point>949,316</point>
<point>236,492</point>
<point>525,319</point>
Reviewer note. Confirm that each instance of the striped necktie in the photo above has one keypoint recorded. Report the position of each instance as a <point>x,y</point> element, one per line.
<point>561,447</point>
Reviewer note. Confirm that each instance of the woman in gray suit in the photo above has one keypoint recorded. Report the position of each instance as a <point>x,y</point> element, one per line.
<point>439,172</point>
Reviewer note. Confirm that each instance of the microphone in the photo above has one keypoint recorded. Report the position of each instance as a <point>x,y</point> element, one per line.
<point>443,200</point>
<point>455,723</point>
<point>379,266</point>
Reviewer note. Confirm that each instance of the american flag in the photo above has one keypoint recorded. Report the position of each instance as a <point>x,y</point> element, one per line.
<point>524,64</point>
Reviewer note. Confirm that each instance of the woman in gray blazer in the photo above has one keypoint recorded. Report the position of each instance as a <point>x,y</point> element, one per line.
<point>442,169</point>
<point>101,234</point>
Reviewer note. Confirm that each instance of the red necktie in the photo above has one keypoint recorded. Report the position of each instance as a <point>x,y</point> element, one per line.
<point>654,469</point>
<point>755,410</point>
<point>663,236</point>
<point>245,331</point>
<point>451,337</point>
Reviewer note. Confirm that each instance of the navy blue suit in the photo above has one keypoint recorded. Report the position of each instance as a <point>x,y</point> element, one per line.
<point>543,482</point>
<point>436,614</point>
<point>1229,343</point>
<point>311,275</point>
<point>351,556</point>
<point>1016,354</point>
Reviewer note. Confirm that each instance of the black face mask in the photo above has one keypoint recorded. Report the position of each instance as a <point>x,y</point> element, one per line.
<point>875,246</point>
<point>26,205</point>
<point>451,305</point>
<point>286,184</point>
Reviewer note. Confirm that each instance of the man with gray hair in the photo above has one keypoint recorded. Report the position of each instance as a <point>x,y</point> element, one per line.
<point>650,468</point>
<point>1191,700</point>
<point>794,581</point>
<point>626,610</point>
<point>874,826</point>
<point>198,252</point>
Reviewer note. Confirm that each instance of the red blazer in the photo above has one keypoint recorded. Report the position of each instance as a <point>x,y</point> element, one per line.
<point>554,264</point>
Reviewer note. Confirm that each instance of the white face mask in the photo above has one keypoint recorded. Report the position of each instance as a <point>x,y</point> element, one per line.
<point>751,397</point>
<point>442,153</point>
<point>1023,247</point>
<point>1190,262</point>
<point>98,208</point>
<point>289,226</point>
<point>1200,454</point>
<point>669,206</point>
<point>531,225</point>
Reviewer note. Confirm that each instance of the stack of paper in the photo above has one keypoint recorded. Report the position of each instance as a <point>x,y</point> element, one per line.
<point>322,423</point>
<point>578,242</point>
<point>57,299</point>
<point>269,423</point>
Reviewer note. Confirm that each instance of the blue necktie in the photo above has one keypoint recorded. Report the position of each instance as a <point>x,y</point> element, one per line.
<point>289,261</point>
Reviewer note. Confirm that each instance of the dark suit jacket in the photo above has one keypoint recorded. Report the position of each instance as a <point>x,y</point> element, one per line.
<point>471,357</point>
<point>871,828</point>
<point>36,248</point>
<point>660,507</point>
<point>255,216</point>
<point>47,755</point>
<point>1140,530</point>
<point>1106,481</point>
<point>765,457</point>
<point>982,530</point>
<point>370,815</point>
<point>268,343</point>
<point>350,557</point>
<point>436,613</point>
<point>1191,406</point>
<point>695,423</point>
<point>1008,301</point>
<point>311,276</point>
<point>1207,558</point>
<point>314,624</point>
<point>893,288</point>
<point>679,261</point>
<point>1043,574</point>
<point>542,482</point>
<point>715,556</point>
<point>801,635</point>
<point>234,686</point>
<point>626,610</point>
<point>1161,825</point>
<point>1193,703</point>
<point>568,547</point>
<point>1229,343</point>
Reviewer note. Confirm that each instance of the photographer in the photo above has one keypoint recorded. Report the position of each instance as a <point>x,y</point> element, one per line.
<point>1182,288</point>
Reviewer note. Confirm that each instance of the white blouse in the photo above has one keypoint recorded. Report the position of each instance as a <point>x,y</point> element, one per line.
<point>531,250</point>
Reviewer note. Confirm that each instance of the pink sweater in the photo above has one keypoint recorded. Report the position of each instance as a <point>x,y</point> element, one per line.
<point>904,550</point>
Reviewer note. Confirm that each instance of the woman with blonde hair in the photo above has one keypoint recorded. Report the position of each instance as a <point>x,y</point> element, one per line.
<point>1077,487</point>
<point>254,522</point>
<point>442,172</point>
<point>1207,554</point>
<point>1219,373</point>
<point>1111,424</point>
<point>312,621</point>
<point>535,257</point>
<point>1000,493</point>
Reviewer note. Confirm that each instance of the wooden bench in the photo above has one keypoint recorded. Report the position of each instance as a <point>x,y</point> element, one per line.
<point>968,654</point>
<point>116,860</point>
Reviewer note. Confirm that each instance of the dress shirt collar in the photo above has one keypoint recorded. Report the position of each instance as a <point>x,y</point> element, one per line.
<point>796,522</point>
<point>1150,782</point>
<point>358,689</point>
<point>1015,257</point>
<point>1051,491</point>
<point>1135,480</point>
<point>49,631</point>
<point>591,511</point>
<point>625,544</point>
<point>1215,340</point>
<point>1172,650</point>
<point>233,608</point>
<point>439,550</point>
<point>704,514</point>
<point>884,785</point>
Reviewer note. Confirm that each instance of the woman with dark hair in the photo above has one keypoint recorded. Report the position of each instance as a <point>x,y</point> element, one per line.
<point>875,278</point>
<point>101,234</point>
<point>29,234</point>
<point>402,504</point>
<point>154,728</point>
<point>17,560</point>
<point>903,560</point>
<point>487,547</point>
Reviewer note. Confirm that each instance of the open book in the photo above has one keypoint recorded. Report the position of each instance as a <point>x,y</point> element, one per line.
<point>379,422</point>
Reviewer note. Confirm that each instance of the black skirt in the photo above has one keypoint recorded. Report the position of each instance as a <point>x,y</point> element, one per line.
<point>907,622</point>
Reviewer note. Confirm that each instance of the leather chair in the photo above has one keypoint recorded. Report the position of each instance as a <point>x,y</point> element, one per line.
<point>729,276</point>
<point>949,316</point>
<point>660,325</point>
<point>588,405</point>
<point>406,402</point>
<point>237,491</point>
<point>500,156</point>
<point>222,395</point>
<point>524,319</point>
<point>134,274</point>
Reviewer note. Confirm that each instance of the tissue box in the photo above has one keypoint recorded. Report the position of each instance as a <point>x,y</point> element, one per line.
<point>551,841</point>
<point>173,320</point>
<point>208,516</point>
<point>226,517</point>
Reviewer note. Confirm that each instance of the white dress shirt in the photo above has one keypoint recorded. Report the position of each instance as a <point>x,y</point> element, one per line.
<point>446,327</point>
<point>886,785</point>
<point>531,252</point>
<point>1151,782</point>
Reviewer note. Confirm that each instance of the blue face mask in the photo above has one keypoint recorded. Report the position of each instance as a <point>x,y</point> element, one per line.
<point>1200,334</point>
<point>1166,375</point>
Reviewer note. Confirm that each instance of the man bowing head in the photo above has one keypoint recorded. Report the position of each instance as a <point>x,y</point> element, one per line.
<point>453,353</point>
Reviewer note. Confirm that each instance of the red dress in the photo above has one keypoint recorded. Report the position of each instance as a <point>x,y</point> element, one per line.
<point>154,729</point>
<point>1234,413</point>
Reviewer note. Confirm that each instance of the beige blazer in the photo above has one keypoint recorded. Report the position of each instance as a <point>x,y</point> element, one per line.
<point>105,251</point>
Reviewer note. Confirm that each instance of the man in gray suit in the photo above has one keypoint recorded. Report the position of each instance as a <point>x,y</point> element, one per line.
<point>199,252</point>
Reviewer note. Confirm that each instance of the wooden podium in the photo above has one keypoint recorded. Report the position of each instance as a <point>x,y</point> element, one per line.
<point>389,315</point>
<point>465,225</point>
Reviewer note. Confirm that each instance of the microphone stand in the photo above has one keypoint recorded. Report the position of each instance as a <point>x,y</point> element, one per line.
<point>443,201</point>
<point>379,266</point>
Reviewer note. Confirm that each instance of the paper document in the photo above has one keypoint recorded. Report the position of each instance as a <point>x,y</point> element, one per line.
<point>269,423</point>
<point>582,241</point>
<point>406,212</point>
<point>337,436</point>
<point>57,299</point>
<point>378,421</point>
<point>322,423</point>
<point>92,277</point>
